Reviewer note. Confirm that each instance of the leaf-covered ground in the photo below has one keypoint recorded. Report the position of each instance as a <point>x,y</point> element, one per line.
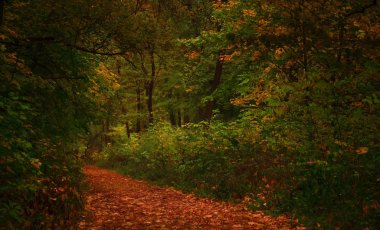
<point>119,202</point>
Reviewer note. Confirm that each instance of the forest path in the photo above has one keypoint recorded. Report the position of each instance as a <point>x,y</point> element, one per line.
<point>119,202</point>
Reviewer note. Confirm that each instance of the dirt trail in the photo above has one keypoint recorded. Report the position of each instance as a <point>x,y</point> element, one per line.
<point>118,202</point>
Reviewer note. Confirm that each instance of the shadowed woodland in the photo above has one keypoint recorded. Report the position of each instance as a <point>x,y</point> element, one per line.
<point>272,106</point>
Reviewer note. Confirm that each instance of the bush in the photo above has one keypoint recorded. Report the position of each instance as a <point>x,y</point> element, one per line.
<point>234,161</point>
<point>41,193</point>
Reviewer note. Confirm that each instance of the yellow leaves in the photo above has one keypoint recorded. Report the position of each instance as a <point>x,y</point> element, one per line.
<point>279,53</point>
<point>106,80</point>
<point>361,34</point>
<point>115,85</point>
<point>340,143</point>
<point>36,163</point>
<point>358,104</point>
<point>356,23</point>
<point>266,70</point>
<point>232,3</point>
<point>105,72</point>
<point>347,8</point>
<point>95,88</point>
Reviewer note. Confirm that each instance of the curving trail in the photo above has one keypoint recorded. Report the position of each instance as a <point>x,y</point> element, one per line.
<point>118,202</point>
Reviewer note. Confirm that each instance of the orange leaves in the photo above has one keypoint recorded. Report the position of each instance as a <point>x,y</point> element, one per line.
<point>374,205</point>
<point>281,30</point>
<point>229,57</point>
<point>120,202</point>
<point>218,4</point>
<point>193,55</point>
<point>257,95</point>
<point>361,150</point>
<point>279,53</point>
<point>11,58</point>
<point>261,92</point>
<point>262,23</point>
<point>256,55</point>
<point>249,12</point>
<point>241,101</point>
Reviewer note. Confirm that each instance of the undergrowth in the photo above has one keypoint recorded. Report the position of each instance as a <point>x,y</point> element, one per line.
<point>230,161</point>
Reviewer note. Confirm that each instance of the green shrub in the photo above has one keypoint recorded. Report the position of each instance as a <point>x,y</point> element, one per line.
<point>41,193</point>
<point>235,161</point>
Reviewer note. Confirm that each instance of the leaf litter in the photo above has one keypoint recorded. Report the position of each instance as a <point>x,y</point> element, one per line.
<point>119,202</point>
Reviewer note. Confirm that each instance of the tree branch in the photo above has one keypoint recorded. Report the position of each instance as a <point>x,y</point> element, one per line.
<point>54,40</point>
<point>2,5</point>
<point>363,9</point>
<point>131,63</point>
<point>94,51</point>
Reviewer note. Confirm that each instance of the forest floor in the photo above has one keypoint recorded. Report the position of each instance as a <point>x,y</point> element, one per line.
<point>119,202</point>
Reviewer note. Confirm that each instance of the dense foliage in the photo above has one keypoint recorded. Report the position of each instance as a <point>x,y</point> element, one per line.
<point>292,89</point>
<point>46,105</point>
<point>274,103</point>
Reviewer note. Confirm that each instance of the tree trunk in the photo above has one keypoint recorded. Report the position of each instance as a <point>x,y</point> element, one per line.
<point>2,5</point>
<point>150,86</point>
<point>138,107</point>
<point>105,132</point>
<point>106,123</point>
<point>127,129</point>
<point>207,112</point>
<point>149,92</point>
<point>179,118</point>
<point>172,117</point>
<point>186,118</point>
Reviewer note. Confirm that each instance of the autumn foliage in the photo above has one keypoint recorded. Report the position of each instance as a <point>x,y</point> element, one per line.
<point>273,104</point>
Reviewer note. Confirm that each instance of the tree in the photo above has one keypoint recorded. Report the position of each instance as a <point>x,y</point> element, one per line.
<point>47,103</point>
